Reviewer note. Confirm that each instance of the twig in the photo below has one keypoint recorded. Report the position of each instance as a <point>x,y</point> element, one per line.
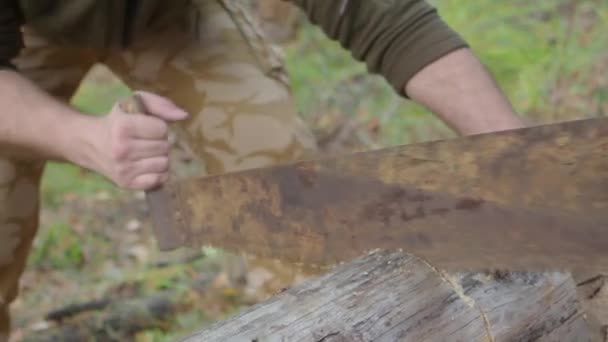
<point>75,309</point>
<point>184,260</point>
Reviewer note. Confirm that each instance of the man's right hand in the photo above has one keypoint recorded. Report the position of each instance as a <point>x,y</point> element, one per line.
<point>133,149</point>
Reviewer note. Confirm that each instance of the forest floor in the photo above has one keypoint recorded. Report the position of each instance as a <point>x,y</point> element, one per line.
<point>95,249</point>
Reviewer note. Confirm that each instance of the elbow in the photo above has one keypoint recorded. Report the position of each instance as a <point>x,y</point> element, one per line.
<point>398,41</point>
<point>395,39</point>
<point>416,48</point>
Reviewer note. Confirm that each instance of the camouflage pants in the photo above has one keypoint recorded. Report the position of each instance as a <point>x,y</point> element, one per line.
<point>212,62</point>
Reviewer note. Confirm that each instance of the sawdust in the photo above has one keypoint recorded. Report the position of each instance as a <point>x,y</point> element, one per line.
<point>450,280</point>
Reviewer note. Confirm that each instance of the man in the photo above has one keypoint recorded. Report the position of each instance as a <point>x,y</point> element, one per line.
<point>204,66</point>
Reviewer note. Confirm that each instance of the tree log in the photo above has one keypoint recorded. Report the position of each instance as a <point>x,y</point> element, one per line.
<point>593,293</point>
<point>392,296</point>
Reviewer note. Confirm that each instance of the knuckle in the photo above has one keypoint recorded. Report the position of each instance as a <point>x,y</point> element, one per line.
<point>155,127</point>
<point>123,172</point>
<point>124,127</point>
<point>120,151</point>
<point>121,175</point>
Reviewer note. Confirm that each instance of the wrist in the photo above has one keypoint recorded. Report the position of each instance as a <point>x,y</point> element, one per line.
<point>77,139</point>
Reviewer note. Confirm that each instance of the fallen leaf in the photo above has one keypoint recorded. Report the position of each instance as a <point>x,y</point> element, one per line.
<point>41,325</point>
<point>102,196</point>
<point>133,225</point>
<point>139,253</point>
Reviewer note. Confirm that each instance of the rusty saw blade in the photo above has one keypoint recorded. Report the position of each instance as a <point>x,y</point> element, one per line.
<point>526,199</point>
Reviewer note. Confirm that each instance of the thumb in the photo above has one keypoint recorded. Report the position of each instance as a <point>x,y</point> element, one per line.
<point>161,107</point>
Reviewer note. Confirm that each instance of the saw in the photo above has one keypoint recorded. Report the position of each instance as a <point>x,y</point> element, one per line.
<point>530,199</point>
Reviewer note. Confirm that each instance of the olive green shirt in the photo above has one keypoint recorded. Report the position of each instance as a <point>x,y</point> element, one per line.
<point>395,38</point>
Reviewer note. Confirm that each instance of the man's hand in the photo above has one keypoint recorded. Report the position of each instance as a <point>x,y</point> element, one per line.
<point>133,149</point>
<point>130,149</point>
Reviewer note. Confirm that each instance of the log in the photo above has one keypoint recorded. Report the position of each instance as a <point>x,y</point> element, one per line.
<point>393,296</point>
<point>593,292</point>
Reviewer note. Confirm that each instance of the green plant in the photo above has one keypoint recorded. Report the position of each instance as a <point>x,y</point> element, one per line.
<point>61,179</point>
<point>59,248</point>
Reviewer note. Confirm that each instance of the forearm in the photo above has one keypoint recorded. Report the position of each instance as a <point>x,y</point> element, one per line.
<point>420,56</point>
<point>460,91</point>
<point>34,125</point>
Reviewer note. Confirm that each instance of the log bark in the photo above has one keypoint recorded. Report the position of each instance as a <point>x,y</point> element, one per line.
<point>392,296</point>
<point>593,293</point>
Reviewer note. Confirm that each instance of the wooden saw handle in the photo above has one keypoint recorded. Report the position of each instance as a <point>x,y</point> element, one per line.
<point>158,199</point>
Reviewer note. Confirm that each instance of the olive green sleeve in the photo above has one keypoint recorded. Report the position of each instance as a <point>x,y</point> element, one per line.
<point>10,33</point>
<point>395,38</point>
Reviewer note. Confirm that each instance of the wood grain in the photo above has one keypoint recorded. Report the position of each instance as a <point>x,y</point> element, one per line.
<point>396,297</point>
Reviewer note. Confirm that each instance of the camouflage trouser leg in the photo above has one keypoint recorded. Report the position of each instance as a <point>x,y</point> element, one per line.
<point>212,62</point>
<point>57,71</point>
<point>18,224</point>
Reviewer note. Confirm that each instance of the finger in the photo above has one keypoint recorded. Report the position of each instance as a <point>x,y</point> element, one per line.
<point>142,149</point>
<point>150,165</point>
<point>161,107</point>
<point>149,181</point>
<point>146,127</point>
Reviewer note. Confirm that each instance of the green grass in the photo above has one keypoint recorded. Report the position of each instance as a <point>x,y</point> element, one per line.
<point>61,180</point>
<point>98,93</point>
<point>57,248</point>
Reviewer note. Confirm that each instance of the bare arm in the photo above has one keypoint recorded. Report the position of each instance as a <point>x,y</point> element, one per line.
<point>130,149</point>
<point>460,91</point>
<point>36,126</point>
<point>408,43</point>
